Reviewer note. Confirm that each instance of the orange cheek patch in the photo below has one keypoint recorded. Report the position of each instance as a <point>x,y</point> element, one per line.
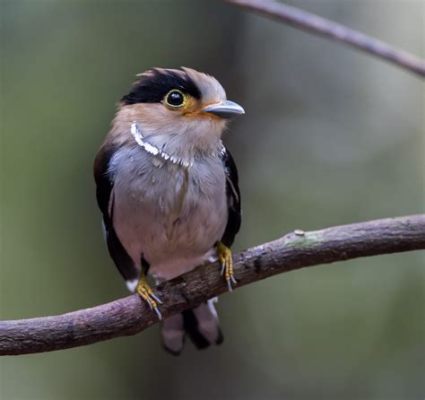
<point>199,114</point>
<point>194,109</point>
<point>191,105</point>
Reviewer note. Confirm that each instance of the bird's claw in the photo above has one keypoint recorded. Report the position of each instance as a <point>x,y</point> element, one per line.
<point>226,261</point>
<point>147,294</point>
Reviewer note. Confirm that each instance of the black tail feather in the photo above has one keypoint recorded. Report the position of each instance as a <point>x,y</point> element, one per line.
<point>199,324</point>
<point>190,324</point>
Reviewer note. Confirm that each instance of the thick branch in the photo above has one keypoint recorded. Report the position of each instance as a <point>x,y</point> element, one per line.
<point>331,30</point>
<point>296,250</point>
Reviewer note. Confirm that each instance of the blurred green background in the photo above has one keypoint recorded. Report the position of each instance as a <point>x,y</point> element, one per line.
<point>331,136</point>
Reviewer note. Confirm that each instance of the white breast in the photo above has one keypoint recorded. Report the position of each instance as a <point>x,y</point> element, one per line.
<point>170,215</point>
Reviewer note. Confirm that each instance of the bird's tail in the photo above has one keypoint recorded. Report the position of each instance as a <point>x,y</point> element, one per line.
<point>200,324</point>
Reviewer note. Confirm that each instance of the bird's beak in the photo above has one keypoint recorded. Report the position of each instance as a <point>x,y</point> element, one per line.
<point>225,109</point>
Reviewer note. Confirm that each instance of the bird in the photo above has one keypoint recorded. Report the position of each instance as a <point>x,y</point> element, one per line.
<point>168,191</point>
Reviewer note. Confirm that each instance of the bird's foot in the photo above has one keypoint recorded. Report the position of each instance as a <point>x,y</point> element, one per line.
<point>226,261</point>
<point>147,294</point>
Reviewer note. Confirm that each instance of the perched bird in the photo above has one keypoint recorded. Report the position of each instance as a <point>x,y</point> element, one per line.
<point>168,190</point>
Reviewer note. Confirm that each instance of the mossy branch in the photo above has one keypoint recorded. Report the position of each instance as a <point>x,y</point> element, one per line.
<point>129,315</point>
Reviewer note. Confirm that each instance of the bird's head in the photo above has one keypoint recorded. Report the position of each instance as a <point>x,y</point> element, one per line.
<point>183,104</point>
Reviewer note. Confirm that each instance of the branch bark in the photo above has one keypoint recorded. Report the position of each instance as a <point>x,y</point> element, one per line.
<point>331,30</point>
<point>129,315</point>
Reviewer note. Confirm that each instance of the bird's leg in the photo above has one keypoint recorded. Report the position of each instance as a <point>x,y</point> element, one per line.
<point>224,254</point>
<point>144,290</point>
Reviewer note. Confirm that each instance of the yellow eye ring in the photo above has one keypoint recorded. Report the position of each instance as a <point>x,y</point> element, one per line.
<point>175,99</point>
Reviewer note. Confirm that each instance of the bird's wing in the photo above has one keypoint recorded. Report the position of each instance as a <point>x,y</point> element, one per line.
<point>105,200</point>
<point>233,199</point>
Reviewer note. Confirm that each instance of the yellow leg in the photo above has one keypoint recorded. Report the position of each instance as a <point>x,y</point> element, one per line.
<point>146,293</point>
<point>226,261</point>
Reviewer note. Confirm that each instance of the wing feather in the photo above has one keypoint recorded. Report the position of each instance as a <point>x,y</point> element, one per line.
<point>105,201</point>
<point>233,199</point>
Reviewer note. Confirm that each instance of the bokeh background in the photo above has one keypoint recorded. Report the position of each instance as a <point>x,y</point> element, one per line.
<point>331,136</point>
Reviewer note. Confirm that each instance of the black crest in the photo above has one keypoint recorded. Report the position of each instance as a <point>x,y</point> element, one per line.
<point>154,84</point>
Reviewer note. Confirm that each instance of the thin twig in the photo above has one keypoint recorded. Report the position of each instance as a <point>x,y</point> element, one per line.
<point>324,27</point>
<point>130,315</point>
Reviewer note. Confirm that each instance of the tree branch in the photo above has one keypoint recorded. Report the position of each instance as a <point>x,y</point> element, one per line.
<point>130,315</point>
<point>331,30</point>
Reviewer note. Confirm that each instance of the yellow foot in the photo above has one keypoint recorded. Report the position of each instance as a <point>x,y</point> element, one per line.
<point>146,293</point>
<point>226,261</point>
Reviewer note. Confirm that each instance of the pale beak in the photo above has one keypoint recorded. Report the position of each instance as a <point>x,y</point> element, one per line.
<point>224,109</point>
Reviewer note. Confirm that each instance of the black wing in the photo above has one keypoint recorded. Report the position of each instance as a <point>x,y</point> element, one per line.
<point>105,200</point>
<point>233,199</point>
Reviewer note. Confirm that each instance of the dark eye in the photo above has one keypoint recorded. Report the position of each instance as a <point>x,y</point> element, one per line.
<point>174,98</point>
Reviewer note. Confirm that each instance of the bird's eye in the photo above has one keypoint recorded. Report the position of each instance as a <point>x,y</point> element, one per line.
<point>174,98</point>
